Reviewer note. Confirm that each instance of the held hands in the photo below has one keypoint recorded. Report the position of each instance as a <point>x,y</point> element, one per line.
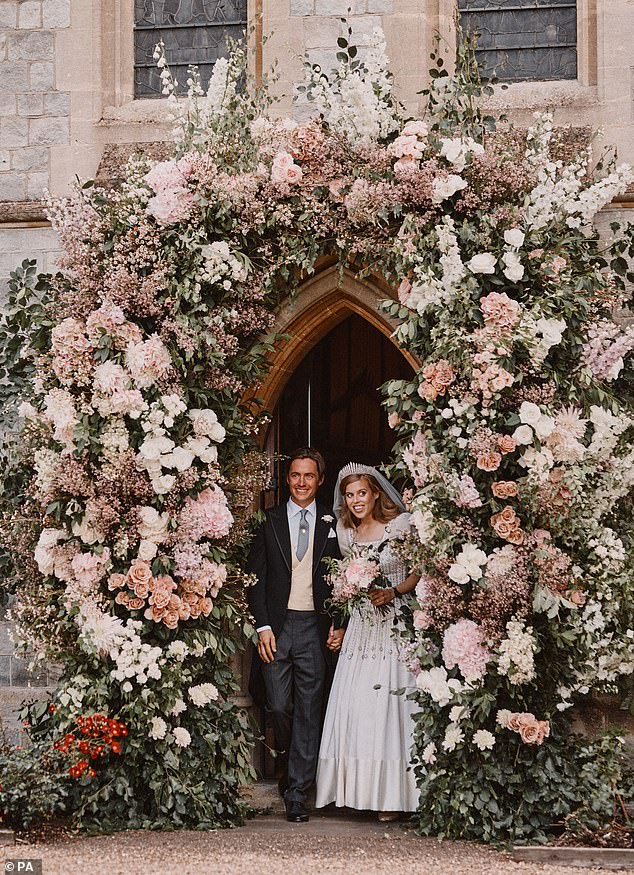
<point>335,639</point>
<point>267,646</point>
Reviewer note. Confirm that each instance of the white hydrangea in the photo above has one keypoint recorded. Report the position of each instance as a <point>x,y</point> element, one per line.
<point>221,265</point>
<point>468,564</point>
<point>435,683</point>
<point>203,694</point>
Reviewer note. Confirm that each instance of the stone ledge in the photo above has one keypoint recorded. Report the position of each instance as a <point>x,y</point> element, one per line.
<point>29,213</point>
<point>603,858</point>
<point>7,837</point>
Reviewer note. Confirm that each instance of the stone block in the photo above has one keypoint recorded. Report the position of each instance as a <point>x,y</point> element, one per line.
<point>5,671</point>
<point>6,644</point>
<point>57,103</point>
<point>340,7</point>
<point>326,58</point>
<point>30,158</point>
<point>302,7</point>
<point>3,46</point>
<point>35,185</point>
<point>8,13</point>
<point>5,159</point>
<point>31,104</point>
<point>14,77</point>
<point>32,46</point>
<point>321,33</point>
<point>14,132</point>
<point>380,5</point>
<point>48,131</point>
<point>363,28</point>
<point>41,76</point>
<point>12,186</point>
<point>56,13</point>
<point>21,676</point>
<point>8,105</point>
<point>30,14</point>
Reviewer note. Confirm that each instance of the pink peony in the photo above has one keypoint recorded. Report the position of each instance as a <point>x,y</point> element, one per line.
<point>462,647</point>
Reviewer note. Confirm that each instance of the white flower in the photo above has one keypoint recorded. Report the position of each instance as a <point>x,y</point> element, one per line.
<point>429,754</point>
<point>483,739</point>
<point>453,736</point>
<point>152,525</point>
<point>514,237</point>
<point>446,188</point>
<point>203,694</point>
<point>529,413</point>
<point>523,435</point>
<point>544,426</point>
<point>202,448</point>
<point>516,653</point>
<point>483,263</point>
<point>44,555</point>
<point>423,521</point>
<point>178,649</point>
<point>514,270</point>
<point>468,564</point>
<point>164,484</point>
<point>158,728</point>
<point>434,682</point>
<point>27,411</point>
<point>127,687</point>
<point>182,738</point>
<point>179,707</point>
<point>327,518</point>
<point>206,425</point>
<point>551,330</point>
<point>458,713</point>
<point>155,447</point>
<point>147,550</point>
<point>502,718</point>
<point>180,458</point>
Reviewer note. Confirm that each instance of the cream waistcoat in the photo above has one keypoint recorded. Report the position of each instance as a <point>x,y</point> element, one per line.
<point>301,597</point>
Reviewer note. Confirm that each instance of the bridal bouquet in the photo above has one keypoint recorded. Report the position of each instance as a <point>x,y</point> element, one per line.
<point>352,578</point>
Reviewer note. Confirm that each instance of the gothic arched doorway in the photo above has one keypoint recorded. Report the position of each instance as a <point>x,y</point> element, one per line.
<point>332,400</point>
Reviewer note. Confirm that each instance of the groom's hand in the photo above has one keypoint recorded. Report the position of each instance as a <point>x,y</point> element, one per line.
<point>267,648</point>
<point>335,639</point>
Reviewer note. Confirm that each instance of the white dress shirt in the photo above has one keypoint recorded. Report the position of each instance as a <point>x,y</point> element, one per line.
<point>294,512</point>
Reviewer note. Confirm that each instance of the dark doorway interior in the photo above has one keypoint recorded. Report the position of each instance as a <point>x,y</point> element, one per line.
<point>333,401</point>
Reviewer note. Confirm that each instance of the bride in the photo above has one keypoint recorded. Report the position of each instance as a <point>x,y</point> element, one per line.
<point>368,730</point>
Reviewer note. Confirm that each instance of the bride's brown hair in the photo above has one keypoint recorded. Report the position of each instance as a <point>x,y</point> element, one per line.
<point>384,509</point>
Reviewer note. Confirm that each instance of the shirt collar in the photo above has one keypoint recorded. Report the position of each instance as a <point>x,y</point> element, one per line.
<point>293,509</point>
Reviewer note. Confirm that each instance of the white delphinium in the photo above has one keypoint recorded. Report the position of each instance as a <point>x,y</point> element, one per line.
<point>483,739</point>
<point>203,694</point>
<point>453,269</point>
<point>453,737</point>
<point>221,88</point>
<point>517,651</point>
<point>46,464</point>
<point>608,427</point>
<point>609,552</point>
<point>158,729</point>
<point>582,210</point>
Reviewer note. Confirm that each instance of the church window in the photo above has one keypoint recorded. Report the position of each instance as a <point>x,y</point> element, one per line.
<point>194,33</point>
<point>523,39</point>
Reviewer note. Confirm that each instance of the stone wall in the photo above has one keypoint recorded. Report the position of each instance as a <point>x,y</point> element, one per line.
<point>34,114</point>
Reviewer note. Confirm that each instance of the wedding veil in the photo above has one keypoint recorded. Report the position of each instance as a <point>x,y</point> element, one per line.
<point>355,468</point>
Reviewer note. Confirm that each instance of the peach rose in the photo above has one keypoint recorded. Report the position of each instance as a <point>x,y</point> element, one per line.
<point>508,514</point>
<point>206,606</point>
<point>135,604</point>
<point>577,597</point>
<point>142,590</point>
<point>513,722</point>
<point>160,599</point>
<point>515,536</point>
<point>116,581</point>
<point>393,420</point>
<point>139,573</point>
<point>427,392</point>
<point>174,603</point>
<point>532,733</point>
<point>121,598</point>
<point>184,611</point>
<point>489,461</point>
<point>170,619</point>
<point>506,443</point>
<point>505,489</point>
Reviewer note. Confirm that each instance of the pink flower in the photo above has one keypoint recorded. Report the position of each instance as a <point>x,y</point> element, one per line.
<point>173,202</point>
<point>284,169</point>
<point>500,311</point>
<point>208,516</point>
<point>148,361</point>
<point>88,568</point>
<point>462,647</point>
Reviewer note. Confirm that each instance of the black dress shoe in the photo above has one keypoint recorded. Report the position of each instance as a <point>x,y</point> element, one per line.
<point>296,812</point>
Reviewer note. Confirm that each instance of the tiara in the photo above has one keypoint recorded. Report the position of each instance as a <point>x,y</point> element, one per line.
<point>355,468</point>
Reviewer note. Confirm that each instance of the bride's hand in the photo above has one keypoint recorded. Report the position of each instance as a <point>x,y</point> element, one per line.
<point>382,596</point>
<point>335,639</point>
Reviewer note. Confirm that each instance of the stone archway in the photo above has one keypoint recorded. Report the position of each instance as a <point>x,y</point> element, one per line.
<point>322,302</point>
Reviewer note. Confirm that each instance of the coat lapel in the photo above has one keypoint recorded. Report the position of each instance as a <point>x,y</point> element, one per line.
<point>279,523</point>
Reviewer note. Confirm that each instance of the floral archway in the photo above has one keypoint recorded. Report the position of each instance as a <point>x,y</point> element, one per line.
<point>137,462</point>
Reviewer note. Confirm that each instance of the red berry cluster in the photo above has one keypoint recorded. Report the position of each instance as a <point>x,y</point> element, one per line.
<point>94,738</point>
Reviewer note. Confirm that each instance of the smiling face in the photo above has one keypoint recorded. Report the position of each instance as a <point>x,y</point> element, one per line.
<point>360,499</point>
<point>303,481</point>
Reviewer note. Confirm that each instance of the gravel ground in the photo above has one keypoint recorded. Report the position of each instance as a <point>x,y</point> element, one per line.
<point>269,846</point>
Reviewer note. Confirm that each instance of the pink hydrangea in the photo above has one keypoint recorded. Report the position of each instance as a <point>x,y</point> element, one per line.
<point>462,647</point>
<point>148,361</point>
<point>500,311</point>
<point>89,568</point>
<point>208,516</point>
<point>172,202</point>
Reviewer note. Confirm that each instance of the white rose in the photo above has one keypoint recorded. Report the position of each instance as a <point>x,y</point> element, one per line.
<point>459,574</point>
<point>44,549</point>
<point>529,413</point>
<point>446,188</point>
<point>483,263</point>
<point>182,458</point>
<point>152,524</point>
<point>147,550</point>
<point>551,329</point>
<point>514,270</point>
<point>201,447</point>
<point>181,736</point>
<point>523,435</point>
<point>454,151</point>
<point>162,485</point>
<point>514,237</point>
<point>154,447</point>
<point>544,426</point>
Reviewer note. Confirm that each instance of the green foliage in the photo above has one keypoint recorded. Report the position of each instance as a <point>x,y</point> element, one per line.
<point>34,785</point>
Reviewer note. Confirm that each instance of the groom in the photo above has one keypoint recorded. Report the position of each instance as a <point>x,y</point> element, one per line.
<point>294,630</point>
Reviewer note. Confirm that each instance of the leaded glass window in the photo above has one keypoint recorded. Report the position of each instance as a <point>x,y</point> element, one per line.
<point>524,39</point>
<point>194,32</point>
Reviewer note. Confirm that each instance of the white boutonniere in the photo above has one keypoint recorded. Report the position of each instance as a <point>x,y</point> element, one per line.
<point>327,518</point>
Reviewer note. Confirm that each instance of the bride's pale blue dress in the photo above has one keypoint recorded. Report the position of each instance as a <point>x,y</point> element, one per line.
<point>364,759</point>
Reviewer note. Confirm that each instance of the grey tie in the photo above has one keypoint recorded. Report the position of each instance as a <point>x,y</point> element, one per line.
<point>302,536</point>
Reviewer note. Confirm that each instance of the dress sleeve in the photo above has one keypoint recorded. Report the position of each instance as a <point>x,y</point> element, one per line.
<point>344,536</point>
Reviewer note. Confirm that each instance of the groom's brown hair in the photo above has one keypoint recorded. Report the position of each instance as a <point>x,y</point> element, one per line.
<point>309,453</point>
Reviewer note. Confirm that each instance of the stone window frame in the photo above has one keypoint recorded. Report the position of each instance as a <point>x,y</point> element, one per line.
<point>587,50</point>
<point>117,62</point>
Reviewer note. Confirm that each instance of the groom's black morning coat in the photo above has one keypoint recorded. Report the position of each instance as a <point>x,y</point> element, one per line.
<point>270,561</point>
